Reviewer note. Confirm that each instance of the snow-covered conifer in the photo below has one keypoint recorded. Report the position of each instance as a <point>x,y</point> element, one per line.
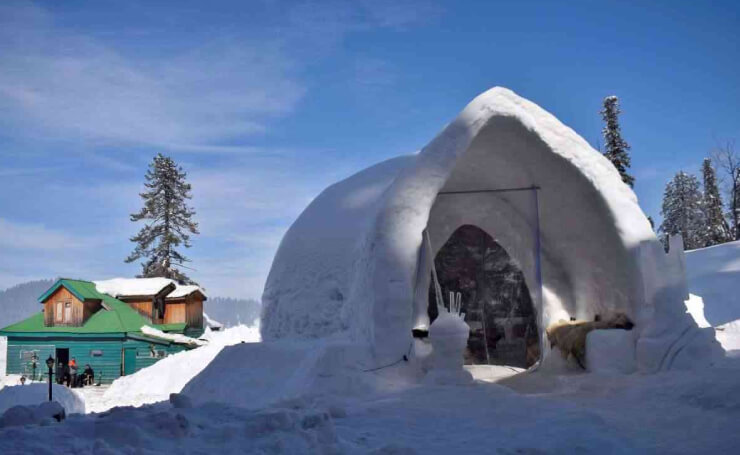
<point>682,210</point>
<point>715,225</point>
<point>616,148</point>
<point>170,221</point>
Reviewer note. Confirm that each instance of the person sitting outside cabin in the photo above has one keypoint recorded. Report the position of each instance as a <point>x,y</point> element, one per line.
<point>88,376</point>
<point>72,378</point>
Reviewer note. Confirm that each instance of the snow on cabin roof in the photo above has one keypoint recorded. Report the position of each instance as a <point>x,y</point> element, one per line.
<point>129,287</point>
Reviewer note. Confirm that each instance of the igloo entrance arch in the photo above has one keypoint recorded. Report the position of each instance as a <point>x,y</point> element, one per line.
<point>495,298</point>
<point>505,220</point>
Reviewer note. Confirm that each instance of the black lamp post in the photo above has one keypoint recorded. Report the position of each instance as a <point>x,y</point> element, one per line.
<point>50,364</point>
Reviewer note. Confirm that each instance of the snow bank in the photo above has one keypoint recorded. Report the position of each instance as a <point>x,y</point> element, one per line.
<point>350,264</point>
<point>36,393</point>
<point>714,275</point>
<point>123,287</point>
<point>258,375</point>
<point>166,430</point>
<point>169,375</point>
<point>42,413</point>
<point>714,281</point>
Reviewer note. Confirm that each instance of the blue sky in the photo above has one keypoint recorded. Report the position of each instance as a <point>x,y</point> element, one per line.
<point>264,103</point>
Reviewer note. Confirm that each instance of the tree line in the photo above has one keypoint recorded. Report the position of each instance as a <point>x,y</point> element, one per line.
<point>695,210</point>
<point>692,209</point>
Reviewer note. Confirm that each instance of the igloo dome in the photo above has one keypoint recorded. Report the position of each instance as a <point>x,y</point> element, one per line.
<point>356,263</point>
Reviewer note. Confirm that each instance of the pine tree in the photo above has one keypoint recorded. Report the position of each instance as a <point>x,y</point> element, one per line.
<point>682,210</point>
<point>716,229</point>
<point>616,148</point>
<point>171,221</point>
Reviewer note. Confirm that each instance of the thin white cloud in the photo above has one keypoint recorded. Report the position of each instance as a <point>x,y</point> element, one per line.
<point>32,236</point>
<point>70,85</point>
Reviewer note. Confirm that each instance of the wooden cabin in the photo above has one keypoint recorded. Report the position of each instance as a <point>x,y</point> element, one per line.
<point>161,301</point>
<point>80,321</point>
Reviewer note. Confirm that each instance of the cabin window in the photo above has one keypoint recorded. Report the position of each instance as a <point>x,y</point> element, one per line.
<point>67,312</point>
<point>96,353</point>
<point>60,315</point>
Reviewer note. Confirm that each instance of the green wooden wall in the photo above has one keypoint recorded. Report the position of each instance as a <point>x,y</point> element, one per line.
<point>108,364</point>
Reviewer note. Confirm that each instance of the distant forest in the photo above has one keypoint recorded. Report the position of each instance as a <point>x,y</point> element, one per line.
<point>21,301</point>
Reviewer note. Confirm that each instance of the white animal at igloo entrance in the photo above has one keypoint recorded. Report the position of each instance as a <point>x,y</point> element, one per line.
<point>350,266</point>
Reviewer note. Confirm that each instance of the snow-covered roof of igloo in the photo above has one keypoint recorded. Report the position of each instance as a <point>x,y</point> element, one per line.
<point>347,266</point>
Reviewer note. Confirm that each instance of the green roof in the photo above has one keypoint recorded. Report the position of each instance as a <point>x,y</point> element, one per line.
<point>83,290</point>
<point>115,316</point>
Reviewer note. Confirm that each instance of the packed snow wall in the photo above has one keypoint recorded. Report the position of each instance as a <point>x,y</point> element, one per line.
<point>349,266</point>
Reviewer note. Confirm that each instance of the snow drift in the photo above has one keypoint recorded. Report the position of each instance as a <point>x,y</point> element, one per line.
<point>350,266</point>
<point>37,393</point>
<point>169,375</point>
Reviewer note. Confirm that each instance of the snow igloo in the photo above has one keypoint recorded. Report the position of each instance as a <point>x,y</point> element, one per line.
<point>355,266</point>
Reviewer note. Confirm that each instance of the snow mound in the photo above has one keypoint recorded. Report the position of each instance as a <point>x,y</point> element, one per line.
<point>214,429</point>
<point>169,375</point>
<point>29,415</point>
<point>258,375</point>
<point>129,287</point>
<point>36,393</point>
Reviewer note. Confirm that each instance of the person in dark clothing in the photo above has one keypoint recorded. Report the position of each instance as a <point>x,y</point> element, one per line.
<point>60,373</point>
<point>64,374</point>
<point>72,380</point>
<point>88,376</point>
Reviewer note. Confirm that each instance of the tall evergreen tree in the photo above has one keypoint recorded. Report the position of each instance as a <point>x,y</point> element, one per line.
<point>716,229</point>
<point>616,149</point>
<point>170,224</point>
<point>682,210</point>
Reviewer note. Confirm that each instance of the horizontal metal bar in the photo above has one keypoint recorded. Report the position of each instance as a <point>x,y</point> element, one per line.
<point>497,190</point>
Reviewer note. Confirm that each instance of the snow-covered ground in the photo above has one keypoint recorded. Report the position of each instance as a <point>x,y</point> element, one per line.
<point>248,400</point>
<point>714,284</point>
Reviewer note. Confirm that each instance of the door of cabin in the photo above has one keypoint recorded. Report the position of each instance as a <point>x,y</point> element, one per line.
<point>129,361</point>
<point>62,355</point>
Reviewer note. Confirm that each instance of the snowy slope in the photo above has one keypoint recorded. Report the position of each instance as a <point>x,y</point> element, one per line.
<point>714,275</point>
<point>714,283</point>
